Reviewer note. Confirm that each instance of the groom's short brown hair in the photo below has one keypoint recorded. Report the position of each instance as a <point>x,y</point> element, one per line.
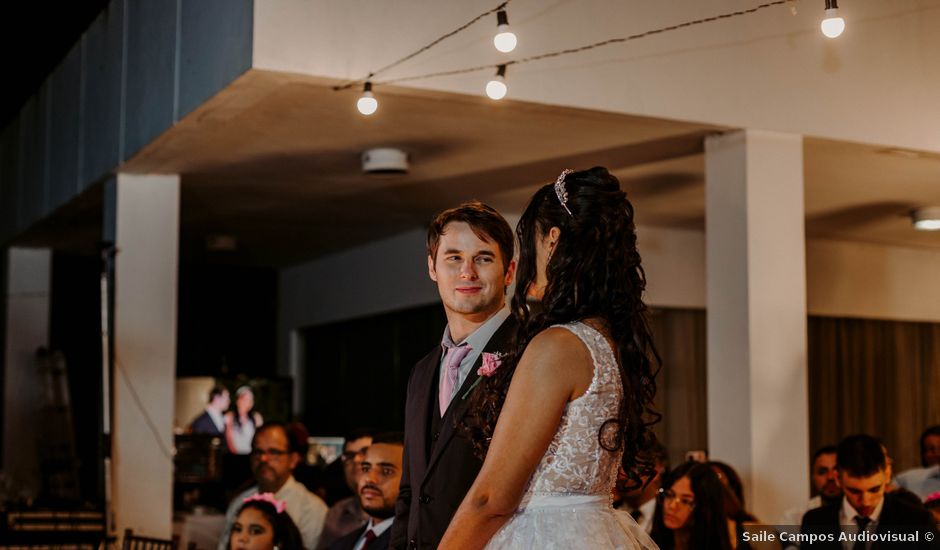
<point>484,220</point>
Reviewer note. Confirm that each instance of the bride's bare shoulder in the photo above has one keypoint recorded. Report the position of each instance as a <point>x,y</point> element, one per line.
<point>556,348</point>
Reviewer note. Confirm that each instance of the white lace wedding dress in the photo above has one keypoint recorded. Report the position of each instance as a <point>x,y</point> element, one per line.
<point>567,503</point>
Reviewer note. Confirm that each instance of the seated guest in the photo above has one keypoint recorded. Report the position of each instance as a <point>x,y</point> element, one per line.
<point>930,447</point>
<point>212,420</point>
<point>734,504</point>
<point>932,503</point>
<point>262,523</point>
<point>345,515</point>
<point>340,471</point>
<point>926,480</point>
<point>378,493</point>
<point>825,479</point>
<point>866,510</point>
<point>273,459</point>
<point>690,511</point>
<point>640,501</point>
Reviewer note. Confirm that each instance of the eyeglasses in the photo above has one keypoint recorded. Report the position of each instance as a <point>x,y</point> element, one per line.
<point>667,495</point>
<point>355,456</point>
<point>273,453</point>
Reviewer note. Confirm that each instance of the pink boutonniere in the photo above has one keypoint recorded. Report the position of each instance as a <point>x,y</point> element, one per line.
<point>491,362</point>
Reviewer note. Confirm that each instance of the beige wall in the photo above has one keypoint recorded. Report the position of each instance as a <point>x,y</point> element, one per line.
<point>855,279</point>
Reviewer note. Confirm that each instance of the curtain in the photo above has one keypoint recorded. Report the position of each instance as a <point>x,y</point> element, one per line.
<point>875,377</point>
<point>681,390</point>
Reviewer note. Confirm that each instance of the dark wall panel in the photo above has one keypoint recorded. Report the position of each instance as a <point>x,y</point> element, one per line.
<point>151,65</point>
<point>64,114</point>
<point>31,189</point>
<point>215,48</point>
<point>101,124</point>
<point>9,178</point>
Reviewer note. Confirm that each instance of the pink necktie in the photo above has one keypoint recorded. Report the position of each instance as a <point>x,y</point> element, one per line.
<point>452,361</point>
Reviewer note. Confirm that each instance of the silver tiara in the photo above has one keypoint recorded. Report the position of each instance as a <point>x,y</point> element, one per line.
<point>560,190</point>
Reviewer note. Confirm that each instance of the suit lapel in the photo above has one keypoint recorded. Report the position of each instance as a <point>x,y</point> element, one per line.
<point>458,407</point>
<point>424,384</point>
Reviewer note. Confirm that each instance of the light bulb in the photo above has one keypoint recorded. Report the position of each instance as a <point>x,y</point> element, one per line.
<point>832,25</point>
<point>926,218</point>
<point>927,225</point>
<point>505,41</point>
<point>496,88</point>
<point>367,103</point>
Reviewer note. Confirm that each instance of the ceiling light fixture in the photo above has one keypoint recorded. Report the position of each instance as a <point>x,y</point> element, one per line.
<point>505,41</point>
<point>367,103</point>
<point>926,218</point>
<point>833,25</point>
<point>496,88</point>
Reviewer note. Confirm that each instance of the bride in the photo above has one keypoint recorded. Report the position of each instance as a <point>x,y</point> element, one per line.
<point>582,382</point>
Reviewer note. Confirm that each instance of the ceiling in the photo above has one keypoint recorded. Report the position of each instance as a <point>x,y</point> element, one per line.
<point>273,161</point>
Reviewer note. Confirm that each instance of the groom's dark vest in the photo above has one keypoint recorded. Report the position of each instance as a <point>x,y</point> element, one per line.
<point>438,466</point>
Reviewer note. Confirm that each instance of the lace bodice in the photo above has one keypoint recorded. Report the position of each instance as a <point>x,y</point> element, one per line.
<point>575,463</point>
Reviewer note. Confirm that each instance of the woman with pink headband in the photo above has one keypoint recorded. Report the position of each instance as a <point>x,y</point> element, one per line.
<point>262,523</point>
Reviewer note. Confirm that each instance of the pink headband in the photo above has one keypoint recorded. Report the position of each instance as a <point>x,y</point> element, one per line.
<point>279,505</point>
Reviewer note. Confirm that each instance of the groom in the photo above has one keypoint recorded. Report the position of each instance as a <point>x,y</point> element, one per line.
<point>470,251</point>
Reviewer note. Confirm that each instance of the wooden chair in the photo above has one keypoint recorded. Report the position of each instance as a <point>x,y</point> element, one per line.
<point>134,542</point>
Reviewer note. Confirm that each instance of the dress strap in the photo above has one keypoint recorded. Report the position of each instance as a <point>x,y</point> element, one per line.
<point>602,356</point>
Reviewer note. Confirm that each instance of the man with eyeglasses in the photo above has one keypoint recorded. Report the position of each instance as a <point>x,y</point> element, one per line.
<point>273,459</point>
<point>377,490</point>
<point>345,515</point>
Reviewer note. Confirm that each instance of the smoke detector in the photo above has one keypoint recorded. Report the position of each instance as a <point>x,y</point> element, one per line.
<point>384,160</point>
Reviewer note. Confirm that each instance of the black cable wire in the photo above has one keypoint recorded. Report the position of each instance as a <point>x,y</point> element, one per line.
<point>153,429</point>
<point>589,46</point>
<point>351,83</point>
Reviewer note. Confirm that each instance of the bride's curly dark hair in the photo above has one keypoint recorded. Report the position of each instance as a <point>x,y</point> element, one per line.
<point>594,272</point>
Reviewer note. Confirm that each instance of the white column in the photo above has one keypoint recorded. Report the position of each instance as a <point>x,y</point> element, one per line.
<point>146,233</point>
<point>756,315</point>
<point>27,329</point>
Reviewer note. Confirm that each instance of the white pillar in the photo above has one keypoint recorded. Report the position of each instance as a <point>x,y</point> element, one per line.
<point>146,233</point>
<point>27,329</point>
<point>756,315</point>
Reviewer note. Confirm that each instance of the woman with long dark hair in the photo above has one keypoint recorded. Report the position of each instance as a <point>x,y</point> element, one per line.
<point>241,425</point>
<point>691,512</point>
<point>573,400</point>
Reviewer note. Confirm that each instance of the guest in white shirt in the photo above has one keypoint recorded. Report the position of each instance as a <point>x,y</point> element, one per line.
<point>378,493</point>
<point>924,481</point>
<point>825,478</point>
<point>273,459</point>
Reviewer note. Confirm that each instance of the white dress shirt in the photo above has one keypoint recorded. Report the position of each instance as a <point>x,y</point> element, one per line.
<point>378,529</point>
<point>847,520</point>
<point>477,341</point>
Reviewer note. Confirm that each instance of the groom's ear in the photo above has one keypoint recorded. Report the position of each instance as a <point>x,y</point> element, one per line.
<point>510,273</point>
<point>431,273</point>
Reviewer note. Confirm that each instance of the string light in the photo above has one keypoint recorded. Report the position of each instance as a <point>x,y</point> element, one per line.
<point>505,41</point>
<point>496,88</point>
<point>367,103</point>
<point>833,25</point>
